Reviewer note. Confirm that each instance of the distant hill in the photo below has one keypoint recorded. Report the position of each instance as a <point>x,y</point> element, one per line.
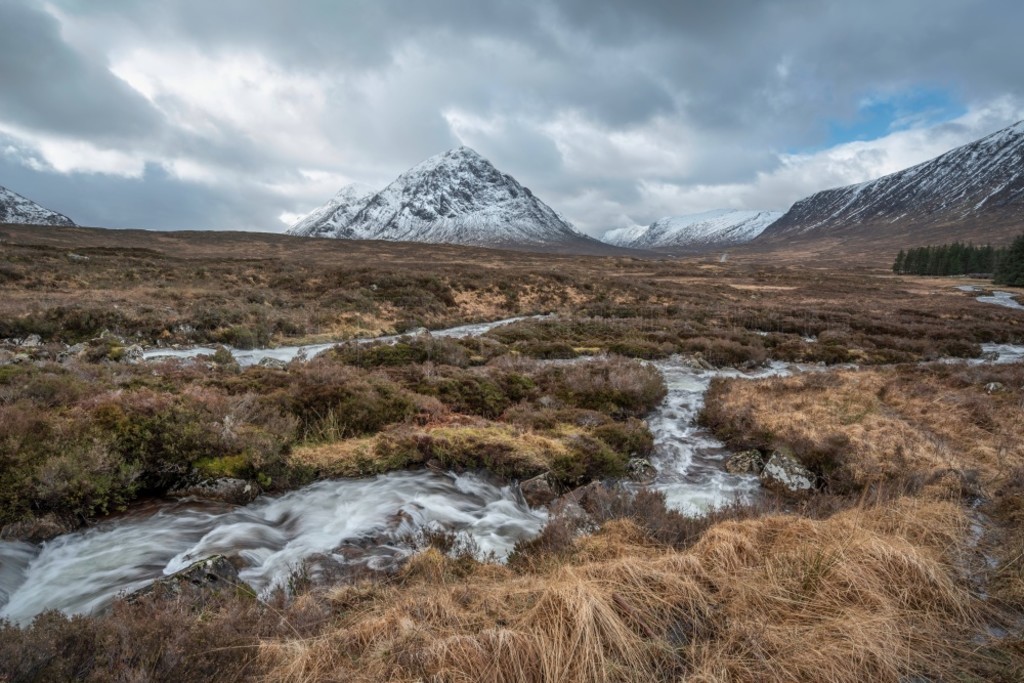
<point>974,192</point>
<point>17,209</point>
<point>695,232</point>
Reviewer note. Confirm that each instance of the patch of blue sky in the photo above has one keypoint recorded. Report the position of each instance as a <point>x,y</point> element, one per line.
<point>882,113</point>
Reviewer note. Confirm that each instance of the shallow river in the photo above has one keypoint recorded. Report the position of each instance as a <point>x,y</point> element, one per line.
<point>338,523</point>
<point>998,297</point>
<point>246,357</point>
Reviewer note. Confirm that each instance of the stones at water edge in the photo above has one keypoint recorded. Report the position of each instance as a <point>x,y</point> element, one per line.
<point>226,489</point>
<point>537,491</point>
<point>209,576</point>
<point>641,470</point>
<point>36,530</point>
<point>784,474</point>
<point>745,462</point>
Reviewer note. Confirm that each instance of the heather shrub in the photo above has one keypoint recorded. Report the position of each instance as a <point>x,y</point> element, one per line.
<point>405,351</point>
<point>161,434</point>
<point>613,385</point>
<point>485,392</point>
<point>631,438</point>
<point>333,401</point>
<point>587,458</point>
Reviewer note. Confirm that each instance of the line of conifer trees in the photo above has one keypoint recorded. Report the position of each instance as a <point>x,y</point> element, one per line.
<point>1005,264</point>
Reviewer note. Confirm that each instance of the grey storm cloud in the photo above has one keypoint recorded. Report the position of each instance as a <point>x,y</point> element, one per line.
<point>47,85</point>
<point>191,113</point>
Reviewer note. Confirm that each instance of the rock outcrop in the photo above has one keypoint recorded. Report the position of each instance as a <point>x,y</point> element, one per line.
<point>784,474</point>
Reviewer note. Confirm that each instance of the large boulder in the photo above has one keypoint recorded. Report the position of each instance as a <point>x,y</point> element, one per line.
<point>641,470</point>
<point>200,579</point>
<point>784,474</point>
<point>745,462</point>
<point>537,491</point>
<point>132,353</point>
<point>225,489</point>
<point>37,529</point>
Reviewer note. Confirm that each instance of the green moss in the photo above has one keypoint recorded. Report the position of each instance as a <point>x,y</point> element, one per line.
<point>587,458</point>
<point>632,438</point>
<point>234,466</point>
<point>500,449</point>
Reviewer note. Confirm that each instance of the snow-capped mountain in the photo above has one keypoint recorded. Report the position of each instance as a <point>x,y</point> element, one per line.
<point>332,219</point>
<point>624,237</point>
<point>698,231</point>
<point>17,209</point>
<point>975,191</point>
<point>453,198</point>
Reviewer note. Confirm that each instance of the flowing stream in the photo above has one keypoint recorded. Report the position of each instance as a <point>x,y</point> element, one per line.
<point>372,522</point>
<point>246,357</point>
<point>998,297</point>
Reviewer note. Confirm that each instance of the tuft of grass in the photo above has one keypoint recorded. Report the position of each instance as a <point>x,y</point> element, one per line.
<point>865,595</point>
<point>858,429</point>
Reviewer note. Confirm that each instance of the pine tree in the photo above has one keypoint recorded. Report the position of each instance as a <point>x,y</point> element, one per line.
<point>1011,265</point>
<point>898,266</point>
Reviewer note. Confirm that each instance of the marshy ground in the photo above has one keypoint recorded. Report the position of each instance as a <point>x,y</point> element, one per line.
<point>904,564</point>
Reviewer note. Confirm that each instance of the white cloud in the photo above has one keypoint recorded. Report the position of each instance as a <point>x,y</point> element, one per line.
<point>798,175</point>
<point>66,155</point>
<point>613,115</point>
<point>202,94</point>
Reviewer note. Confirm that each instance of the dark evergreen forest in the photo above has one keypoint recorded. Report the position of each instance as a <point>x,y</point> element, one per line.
<point>1004,264</point>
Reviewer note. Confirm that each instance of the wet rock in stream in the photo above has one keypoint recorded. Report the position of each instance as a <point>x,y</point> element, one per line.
<point>209,576</point>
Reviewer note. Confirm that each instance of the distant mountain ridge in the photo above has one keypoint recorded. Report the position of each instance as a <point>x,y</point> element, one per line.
<point>457,197</point>
<point>17,209</point>
<point>332,218</point>
<point>972,192</point>
<point>698,231</point>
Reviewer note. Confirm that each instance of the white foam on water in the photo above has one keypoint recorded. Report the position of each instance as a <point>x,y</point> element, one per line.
<point>83,571</point>
<point>688,458</point>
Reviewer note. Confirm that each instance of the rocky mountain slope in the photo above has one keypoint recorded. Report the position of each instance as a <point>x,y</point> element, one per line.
<point>332,219</point>
<point>698,232</point>
<point>971,192</point>
<point>453,198</point>
<point>17,209</point>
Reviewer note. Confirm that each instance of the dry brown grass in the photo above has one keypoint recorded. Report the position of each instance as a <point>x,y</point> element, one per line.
<point>464,442</point>
<point>858,428</point>
<point>941,430</point>
<point>866,595</point>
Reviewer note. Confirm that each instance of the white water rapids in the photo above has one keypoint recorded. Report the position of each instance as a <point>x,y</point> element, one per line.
<point>370,522</point>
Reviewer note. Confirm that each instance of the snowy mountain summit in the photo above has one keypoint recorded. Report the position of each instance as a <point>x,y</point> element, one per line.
<point>453,198</point>
<point>698,231</point>
<point>17,209</point>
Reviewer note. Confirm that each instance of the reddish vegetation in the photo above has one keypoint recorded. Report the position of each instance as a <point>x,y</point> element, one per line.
<point>877,576</point>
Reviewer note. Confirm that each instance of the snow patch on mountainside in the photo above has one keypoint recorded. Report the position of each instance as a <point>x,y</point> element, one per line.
<point>624,237</point>
<point>453,198</point>
<point>984,176</point>
<point>716,228</point>
<point>333,217</point>
<point>17,209</point>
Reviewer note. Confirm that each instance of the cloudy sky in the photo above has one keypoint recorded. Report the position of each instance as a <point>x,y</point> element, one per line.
<point>235,114</point>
